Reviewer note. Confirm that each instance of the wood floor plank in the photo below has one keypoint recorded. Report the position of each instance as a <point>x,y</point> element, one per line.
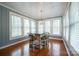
<point>55,48</point>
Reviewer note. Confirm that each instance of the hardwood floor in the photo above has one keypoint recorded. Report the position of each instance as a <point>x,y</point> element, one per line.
<point>55,48</point>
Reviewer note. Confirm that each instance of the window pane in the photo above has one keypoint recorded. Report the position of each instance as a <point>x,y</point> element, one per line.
<point>47,26</point>
<point>66,25</point>
<point>33,26</point>
<point>16,26</point>
<point>26,27</point>
<point>40,27</point>
<point>56,27</point>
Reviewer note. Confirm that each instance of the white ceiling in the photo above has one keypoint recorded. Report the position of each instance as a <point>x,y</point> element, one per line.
<point>32,9</point>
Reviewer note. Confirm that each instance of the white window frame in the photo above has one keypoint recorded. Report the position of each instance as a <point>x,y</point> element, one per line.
<point>23,25</point>
<point>31,26</point>
<point>60,27</point>
<point>10,28</point>
<point>43,27</point>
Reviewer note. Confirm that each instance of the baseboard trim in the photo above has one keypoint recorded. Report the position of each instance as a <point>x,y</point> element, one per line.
<point>66,47</point>
<point>13,44</point>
